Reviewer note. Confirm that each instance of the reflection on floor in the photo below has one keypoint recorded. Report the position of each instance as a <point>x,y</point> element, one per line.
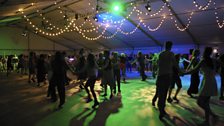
<point>24,104</point>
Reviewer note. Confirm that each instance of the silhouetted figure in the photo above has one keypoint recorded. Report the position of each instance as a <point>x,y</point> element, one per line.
<point>177,81</point>
<point>80,65</point>
<point>166,64</point>
<point>91,68</point>
<point>154,64</point>
<point>208,85</point>
<point>108,74</point>
<point>100,62</point>
<point>141,61</point>
<point>32,66</point>
<point>21,64</point>
<point>222,77</point>
<point>59,68</point>
<point>9,64</point>
<point>147,62</point>
<point>41,69</point>
<point>123,66</point>
<point>67,79</point>
<point>128,63</point>
<point>195,78</point>
<point>116,69</point>
<point>49,75</point>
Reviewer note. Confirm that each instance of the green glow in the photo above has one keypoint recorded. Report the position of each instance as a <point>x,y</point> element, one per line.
<point>133,108</point>
<point>9,19</point>
<point>11,41</point>
<point>116,8</point>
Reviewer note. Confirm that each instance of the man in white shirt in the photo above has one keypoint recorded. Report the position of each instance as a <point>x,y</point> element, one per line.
<point>166,64</point>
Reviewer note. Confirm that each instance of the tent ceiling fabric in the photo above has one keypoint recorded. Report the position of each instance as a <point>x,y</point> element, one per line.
<point>203,26</point>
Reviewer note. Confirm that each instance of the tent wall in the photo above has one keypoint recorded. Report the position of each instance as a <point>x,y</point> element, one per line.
<point>181,49</point>
<point>13,42</point>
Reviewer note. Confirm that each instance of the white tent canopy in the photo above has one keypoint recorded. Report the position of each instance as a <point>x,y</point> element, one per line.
<point>70,24</point>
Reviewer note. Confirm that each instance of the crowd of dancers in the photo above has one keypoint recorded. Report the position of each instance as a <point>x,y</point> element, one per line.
<point>169,74</point>
<point>111,68</point>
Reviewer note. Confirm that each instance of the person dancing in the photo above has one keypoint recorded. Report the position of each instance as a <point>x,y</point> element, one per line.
<point>141,61</point>
<point>108,74</point>
<point>59,68</point>
<point>222,77</point>
<point>208,85</point>
<point>123,66</point>
<point>166,63</point>
<point>195,78</point>
<point>91,68</point>
<point>80,65</point>
<point>116,70</point>
<point>177,81</point>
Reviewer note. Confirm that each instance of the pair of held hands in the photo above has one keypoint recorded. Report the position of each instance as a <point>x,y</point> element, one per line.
<point>182,73</point>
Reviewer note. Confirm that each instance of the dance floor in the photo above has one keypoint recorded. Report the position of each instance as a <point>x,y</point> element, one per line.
<point>24,104</point>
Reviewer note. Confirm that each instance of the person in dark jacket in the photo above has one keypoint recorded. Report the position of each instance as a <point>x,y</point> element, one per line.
<point>41,69</point>
<point>59,68</point>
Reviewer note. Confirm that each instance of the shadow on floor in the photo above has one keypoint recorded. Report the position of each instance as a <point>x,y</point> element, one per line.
<point>105,109</point>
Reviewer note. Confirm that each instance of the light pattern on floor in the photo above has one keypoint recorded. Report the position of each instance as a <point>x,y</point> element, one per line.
<point>25,104</point>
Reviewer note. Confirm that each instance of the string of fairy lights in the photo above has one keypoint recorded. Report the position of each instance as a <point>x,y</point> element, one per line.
<point>154,14</point>
<point>217,17</point>
<point>197,5</point>
<point>90,24</point>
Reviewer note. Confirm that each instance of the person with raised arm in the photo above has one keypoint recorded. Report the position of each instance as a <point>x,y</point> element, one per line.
<point>209,85</point>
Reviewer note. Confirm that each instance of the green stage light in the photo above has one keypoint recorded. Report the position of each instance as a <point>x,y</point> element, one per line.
<point>116,8</point>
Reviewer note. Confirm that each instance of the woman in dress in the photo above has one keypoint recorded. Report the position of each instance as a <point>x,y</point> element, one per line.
<point>195,78</point>
<point>108,74</point>
<point>91,67</point>
<point>209,85</point>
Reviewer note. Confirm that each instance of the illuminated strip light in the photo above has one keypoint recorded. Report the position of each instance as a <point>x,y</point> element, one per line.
<point>202,7</point>
<point>112,36</point>
<point>94,28</point>
<point>94,38</point>
<point>54,26</point>
<point>115,33</point>
<point>39,30</point>
<point>66,28</point>
<point>121,21</point>
<point>97,27</point>
<point>154,14</point>
<point>47,21</point>
<point>154,29</point>
<point>131,32</point>
<point>221,25</point>
<point>117,22</point>
<point>43,32</point>
<point>186,26</point>
<point>89,3</point>
<point>51,24</point>
<point>81,25</point>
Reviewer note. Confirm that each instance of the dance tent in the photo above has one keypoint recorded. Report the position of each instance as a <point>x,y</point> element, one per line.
<point>43,27</point>
<point>122,25</point>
